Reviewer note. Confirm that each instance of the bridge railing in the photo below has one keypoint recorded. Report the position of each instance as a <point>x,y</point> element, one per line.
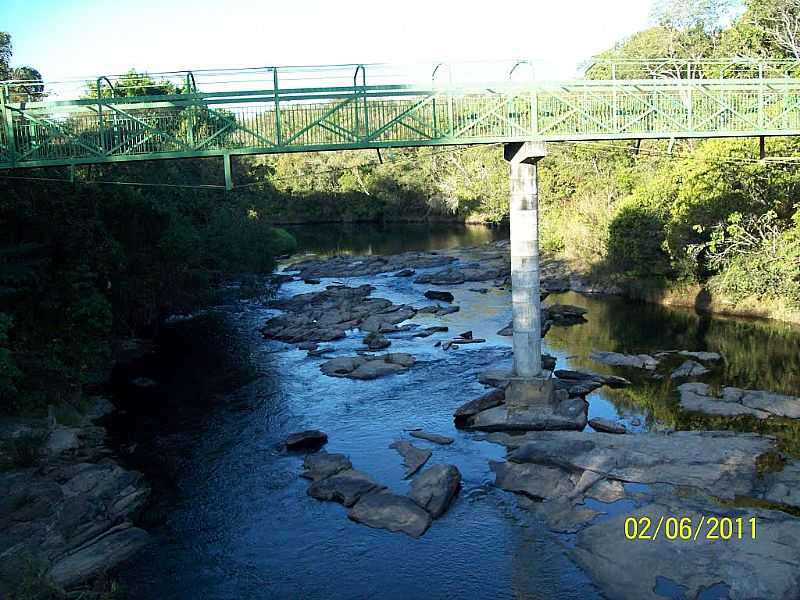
<point>189,114</point>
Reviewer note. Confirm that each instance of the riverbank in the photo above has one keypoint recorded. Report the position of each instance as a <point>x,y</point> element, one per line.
<point>371,237</point>
<point>68,507</point>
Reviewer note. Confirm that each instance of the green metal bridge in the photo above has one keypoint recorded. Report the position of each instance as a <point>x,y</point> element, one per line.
<point>301,109</point>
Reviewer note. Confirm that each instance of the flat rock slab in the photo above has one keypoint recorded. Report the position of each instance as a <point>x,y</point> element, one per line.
<point>413,457</point>
<point>607,425</point>
<point>110,548</point>
<point>435,488</point>
<point>437,295</point>
<point>689,368</point>
<point>783,487</point>
<point>565,315</point>
<point>611,381</point>
<point>429,331</point>
<point>321,465</point>
<point>431,437</point>
<point>566,414</point>
<point>310,439</point>
<point>466,411</point>
<point>439,311</point>
<point>702,356</point>
<point>615,359</point>
<point>367,367</point>
<point>345,487</point>
<point>720,463</point>
<point>766,567</point>
<point>384,510</point>
<point>698,397</point>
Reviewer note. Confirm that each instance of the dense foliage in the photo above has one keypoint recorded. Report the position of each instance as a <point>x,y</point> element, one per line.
<point>81,265</point>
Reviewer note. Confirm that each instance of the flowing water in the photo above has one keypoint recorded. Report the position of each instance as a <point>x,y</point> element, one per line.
<point>230,514</point>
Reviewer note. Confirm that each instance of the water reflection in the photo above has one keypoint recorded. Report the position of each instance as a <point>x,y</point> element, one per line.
<point>758,355</point>
<point>372,238</point>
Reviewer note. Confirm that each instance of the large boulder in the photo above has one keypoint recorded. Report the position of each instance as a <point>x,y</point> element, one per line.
<point>345,487</point>
<point>437,295</point>
<point>311,439</point>
<point>607,425</point>
<point>466,411</point>
<point>384,510</point>
<point>367,366</point>
<point>435,488</point>
<point>321,465</point>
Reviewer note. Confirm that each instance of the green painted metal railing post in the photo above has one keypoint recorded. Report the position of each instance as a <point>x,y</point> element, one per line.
<point>276,95</point>
<point>191,88</point>
<point>366,103</point>
<point>8,124</point>
<point>101,130</point>
<point>355,98</point>
<point>761,119</point>
<point>614,100</point>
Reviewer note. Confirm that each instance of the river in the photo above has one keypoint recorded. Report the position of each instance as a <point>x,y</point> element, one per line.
<point>230,514</point>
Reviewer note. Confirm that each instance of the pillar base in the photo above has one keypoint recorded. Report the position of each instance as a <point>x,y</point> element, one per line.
<point>531,404</point>
<point>526,393</point>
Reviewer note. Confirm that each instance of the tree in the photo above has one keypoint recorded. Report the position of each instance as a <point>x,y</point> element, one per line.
<point>131,83</point>
<point>780,21</point>
<point>5,55</point>
<point>31,87</point>
<point>683,15</point>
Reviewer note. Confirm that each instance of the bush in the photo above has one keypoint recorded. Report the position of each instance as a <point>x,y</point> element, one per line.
<point>757,256</point>
<point>283,242</point>
<point>636,240</point>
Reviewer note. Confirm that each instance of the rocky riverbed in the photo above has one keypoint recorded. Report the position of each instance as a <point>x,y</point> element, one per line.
<point>403,492</point>
<point>589,484</point>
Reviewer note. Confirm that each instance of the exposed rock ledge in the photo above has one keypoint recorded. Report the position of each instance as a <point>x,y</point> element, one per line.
<point>678,475</point>
<point>732,402</point>
<point>70,516</point>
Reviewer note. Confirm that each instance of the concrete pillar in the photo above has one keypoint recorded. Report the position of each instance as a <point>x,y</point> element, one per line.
<point>524,216</point>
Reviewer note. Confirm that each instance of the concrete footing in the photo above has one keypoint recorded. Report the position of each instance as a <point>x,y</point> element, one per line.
<point>532,404</point>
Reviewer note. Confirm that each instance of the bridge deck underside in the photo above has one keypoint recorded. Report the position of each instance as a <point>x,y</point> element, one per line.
<point>263,121</point>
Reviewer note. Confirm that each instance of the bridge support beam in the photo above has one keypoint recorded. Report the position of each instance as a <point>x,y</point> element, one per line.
<point>524,216</point>
<point>226,159</point>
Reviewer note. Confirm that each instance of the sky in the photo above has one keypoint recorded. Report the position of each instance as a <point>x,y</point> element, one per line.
<point>76,38</point>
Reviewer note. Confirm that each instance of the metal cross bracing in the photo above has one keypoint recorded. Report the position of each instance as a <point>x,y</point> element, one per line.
<point>274,110</point>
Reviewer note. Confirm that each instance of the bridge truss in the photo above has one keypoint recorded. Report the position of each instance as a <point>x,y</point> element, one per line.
<point>273,110</point>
